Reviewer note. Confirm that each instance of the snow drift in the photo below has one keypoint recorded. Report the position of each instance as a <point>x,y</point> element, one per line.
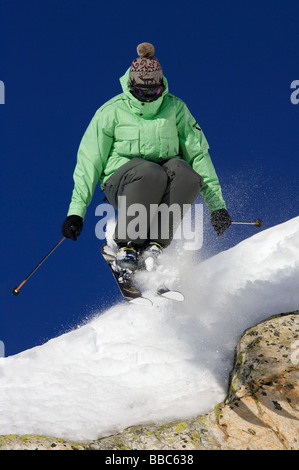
<point>130,365</point>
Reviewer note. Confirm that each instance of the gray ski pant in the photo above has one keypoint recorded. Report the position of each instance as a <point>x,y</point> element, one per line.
<point>157,193</point>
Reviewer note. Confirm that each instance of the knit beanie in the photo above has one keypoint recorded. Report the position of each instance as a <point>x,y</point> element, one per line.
<point>146,70</point>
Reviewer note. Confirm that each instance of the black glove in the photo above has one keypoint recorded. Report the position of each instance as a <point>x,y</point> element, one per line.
<point>221,220</point>
<point>72,226</point>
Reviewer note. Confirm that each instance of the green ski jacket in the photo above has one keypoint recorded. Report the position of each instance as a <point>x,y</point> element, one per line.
<point>124,128</point>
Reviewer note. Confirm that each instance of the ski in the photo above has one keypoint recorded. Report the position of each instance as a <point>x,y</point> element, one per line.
<point>149,264</point>
<point>170,294</point>
<point>127,286</point>
<point>124,280</point>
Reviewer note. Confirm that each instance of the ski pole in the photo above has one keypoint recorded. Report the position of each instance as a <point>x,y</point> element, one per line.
<point>16,290</point>
<point>257,223</point>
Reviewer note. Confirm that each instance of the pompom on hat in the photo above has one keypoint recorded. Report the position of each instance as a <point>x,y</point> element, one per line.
<point>146,70</point>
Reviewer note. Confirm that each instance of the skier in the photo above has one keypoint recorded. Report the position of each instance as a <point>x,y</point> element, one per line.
<point>144,144</point>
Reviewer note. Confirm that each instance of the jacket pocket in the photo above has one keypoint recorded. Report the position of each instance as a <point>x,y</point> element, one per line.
<point>126,141</point>
<point>169,142</point>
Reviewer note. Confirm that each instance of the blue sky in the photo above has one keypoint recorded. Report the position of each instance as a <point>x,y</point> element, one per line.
<point>231,62</point>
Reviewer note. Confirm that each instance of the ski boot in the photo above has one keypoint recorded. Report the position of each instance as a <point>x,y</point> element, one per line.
<point>127,258</point>
<point>148,258</point>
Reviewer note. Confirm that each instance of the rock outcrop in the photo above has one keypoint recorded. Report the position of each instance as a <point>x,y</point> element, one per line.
<point>261,411</point>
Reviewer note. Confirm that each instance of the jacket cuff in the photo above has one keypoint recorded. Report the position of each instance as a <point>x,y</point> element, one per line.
<point>74,209</point>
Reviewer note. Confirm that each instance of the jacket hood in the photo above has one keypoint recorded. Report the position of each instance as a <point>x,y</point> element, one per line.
<point>146,110</point>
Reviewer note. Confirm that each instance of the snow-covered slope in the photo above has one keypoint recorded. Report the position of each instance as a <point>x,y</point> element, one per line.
<point>130,365</point>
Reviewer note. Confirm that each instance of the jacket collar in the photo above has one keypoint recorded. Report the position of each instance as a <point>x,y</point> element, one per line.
<point>146,110</point>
